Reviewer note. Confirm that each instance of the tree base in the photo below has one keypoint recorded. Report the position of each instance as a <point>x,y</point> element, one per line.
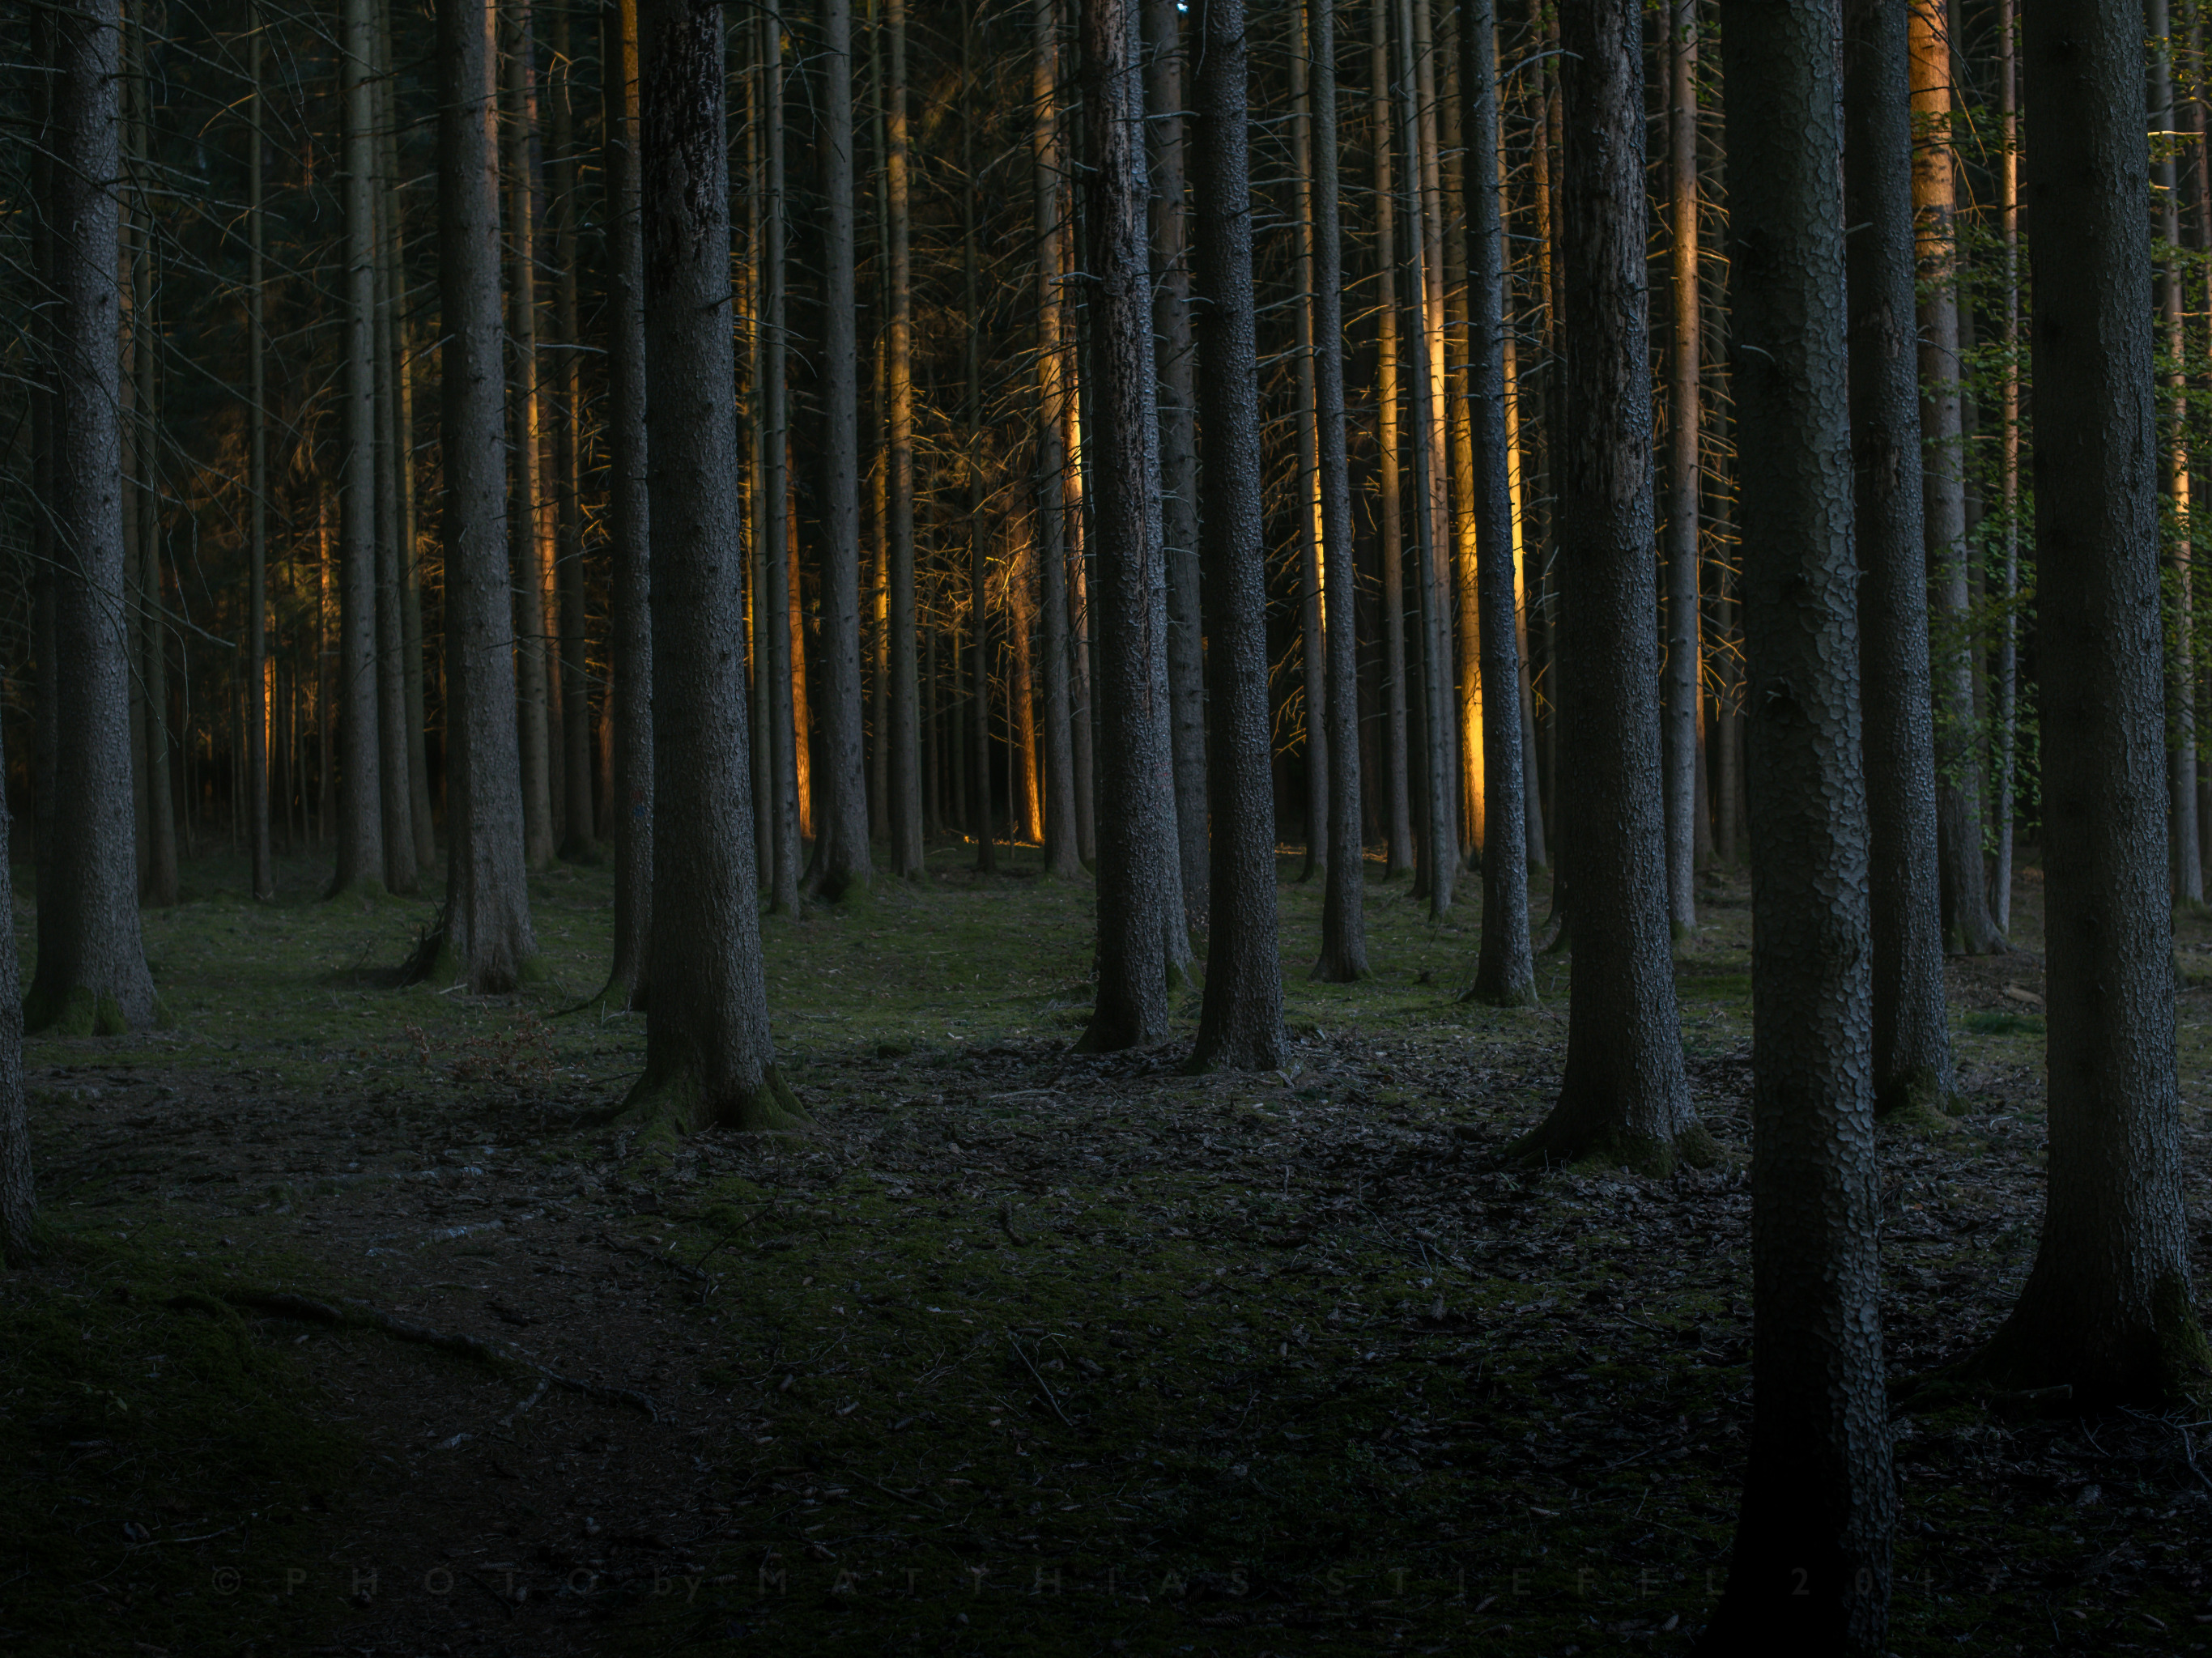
<point>2173,1366</point>
<point>1483,995</point>
<point>678,1101</point>
<point>81,1010</point>
<point>1555,1144</point>
<point>1336,968</point>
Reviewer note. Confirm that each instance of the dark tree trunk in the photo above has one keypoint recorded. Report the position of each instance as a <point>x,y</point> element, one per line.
<point>91,973</point>
<point>577,838</point>
<point>773,414</point>
<point>2106,1308</point>
<point>1240,1016</point>
<point>257,638</point>
<point>395,806</point>
<point>709,1061</point>
<point>1135,806</point>
<point>1061,859</point>
<point>1312,654</point>
<point>1811,1569</point>
<point>533,728</point>
<point>1623,1096</point>
<point>1398,853</point>
<point>1912,1035</point>
<point>1685,810</point>
<point>905,735</point>
<point>488,944</point>
<point>1504,972</point>
<point>628,519</point>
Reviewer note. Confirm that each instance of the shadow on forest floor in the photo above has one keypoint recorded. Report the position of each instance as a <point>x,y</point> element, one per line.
<point>1025,1351</point>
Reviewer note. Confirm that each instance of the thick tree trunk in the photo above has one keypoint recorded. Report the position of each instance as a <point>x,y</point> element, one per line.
<point>905,736</point>
<point>628,518</point>
<point>1623,1096</point>
<point>1811,1569</point>
<point>1685,643</point>
<point>1179,513</point>
<point>91,973</point>
<point>1241,1016</point>
<point>1061,859</point>
<point>488,945</point>
<point>2107,1308</point>
<point>1504,971</point>
<point>527,549</point>
<point>1398,853</point>
<point>709,1061</point>
<point>1957,770</point>
<point>775,517</point>
<point>1138,896</point>
<point>1912,1035</point>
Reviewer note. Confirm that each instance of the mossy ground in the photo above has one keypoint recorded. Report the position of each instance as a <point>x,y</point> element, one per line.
<point>1018,1350</point>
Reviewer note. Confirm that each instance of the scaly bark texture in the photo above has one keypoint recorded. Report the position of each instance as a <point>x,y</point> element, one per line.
<point>91,973</point>
<point>1623,1096</point>
<point>1911,1034</point>
<point>1811,1569</point>
<point>488,944</point>
<point>1135,801</point>
<point>709,1061</point>
<point>1240,1020</point>
<point>1505,972</point>
<point>2107,1308</point>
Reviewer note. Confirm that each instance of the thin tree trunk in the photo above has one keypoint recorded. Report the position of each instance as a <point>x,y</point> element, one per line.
<point>773,407</point>
<point>1623,1096</point>
<point>981,810</point>
<point>577,840</point>
<point>1139,899</point>
<point>1504,973</point>
<point>628,518</point>
<point>709,1061</point>
<point>488,945</point>
<point>1911,1034</point>
<point>395,801</point>
<point>257,638</point>
<point>1811,1569</point>
<point>1241,1014</point>
<point>20,1243</point>
<point>1526,582</point>
<point>2004,711</point>
<point>904,739</point>
<point>1312,653</point>
<point>1398,854</point>
<point>1061,859</point>
<point>524,531</point>
<point>2106,1308</point>
<point>159,888</point>
<point>1685,645</point>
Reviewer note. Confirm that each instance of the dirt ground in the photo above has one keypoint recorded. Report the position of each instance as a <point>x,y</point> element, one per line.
<point>1021,1351</point>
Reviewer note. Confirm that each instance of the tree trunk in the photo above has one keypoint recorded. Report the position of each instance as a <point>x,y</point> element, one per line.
<point>256,637</point>
<point>2005,672</point>
<point>981,808</point>
<point>1240,1019</point>
<point>20,1243</point>
<point>1958,782</point>
<point>775,519</point>
<point>2106,1308</point>
<point>1398,853</point>
<point>488,945</point>
<point>1912,1035</point>
<point>1137,855</point>
<point>1623,1096</point>
<point>628,519</point>
<point>159,884</point>
<point>396,806</point>
<point>577,840</point>
<point>1061,859</point>
<point>709,1061</point>
<point>904,738</point>
<point>1312,654</point>
<point>2181,672</point>
<point>1811,1568</point>
<point>1506,974</point>
<point>1179,513</point>
<point>1685,645</point>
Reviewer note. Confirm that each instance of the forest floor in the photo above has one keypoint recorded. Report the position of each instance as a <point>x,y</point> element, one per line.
<point>1023,1351</point>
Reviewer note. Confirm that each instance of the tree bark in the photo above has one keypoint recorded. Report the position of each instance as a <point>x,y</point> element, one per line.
<point>396,806</point>
<point>1685,463</point>
<point>905,739</point>
<point>1911,1034</point>
<point>488,945</point>
<point>2107,1308</point>
<point>1623,1096</point>
<point>1312,654</point>
<point>1137,855</point>
<point>1398,854</point>
<point>257,639</point>
<point>1505,973</point>
<point>1241,1014</point>
<point>775,518</point>
<point>1811,1567</point>
<point>629,517</point>
<point>709,1061</point>
<point>577,840</point>
<point>1061,859</point>
<point>2005,671</point>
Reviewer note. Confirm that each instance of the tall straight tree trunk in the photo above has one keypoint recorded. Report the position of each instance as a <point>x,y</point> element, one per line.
<point>20,1243</point>
<point>2005,672</point>
<point>629,517</point>
<point>1179,511</point>
<point>981,813</point>
<point>256,637</point>
<point>396,804</point>
<point>160,860</point>
<point>1312,654</point>
<point>1426,145</point>
<point>1061,859</point>
<point>2181,674</point>
<point>1504,973</point>
<point>1240,1020</point>
<point>91,973</point>
<point>1934,200</point>
<point>577,840</point>
<point>1912,1034</point>
<point>488,945</point>
<point>524,526</point>
<point>1623,1096</point>
<point>1343,916</point>
<point>1398,854</point>
<point>905,738</point>
<point>766,795</point>
<point>1527,580</point>
<point>2107,1308</point>
<point>1811,1569</point>
<point>1137,855</point>
<point>775,518</point>
<point>360,862</point>
<point>1684,642</point>
<point>709,1061</point>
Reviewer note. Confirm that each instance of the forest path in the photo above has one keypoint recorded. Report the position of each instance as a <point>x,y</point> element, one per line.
<point>1023,1351</point>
